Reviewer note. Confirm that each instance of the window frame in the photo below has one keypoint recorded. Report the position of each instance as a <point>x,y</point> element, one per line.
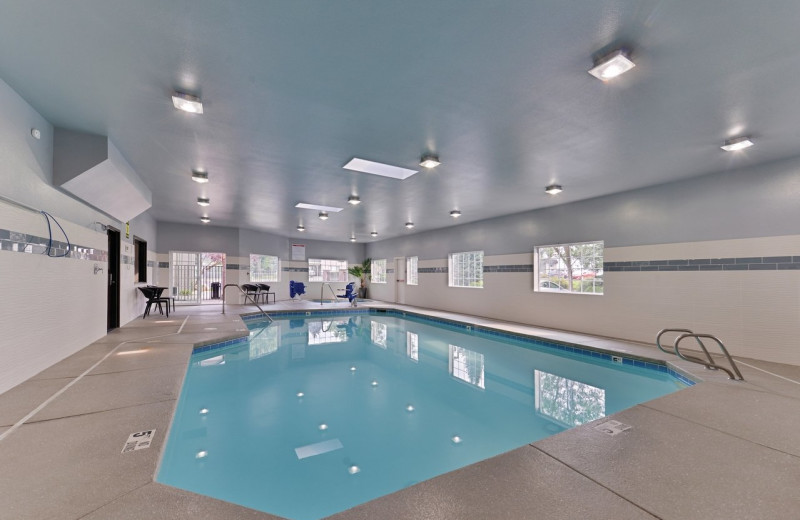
<point>553,270</point>
<point>139,260</point>
<point>378,273</point>
<point>412,267</point>
<point>342,273</point>
<point>265,279</point>
<point>474,262</point>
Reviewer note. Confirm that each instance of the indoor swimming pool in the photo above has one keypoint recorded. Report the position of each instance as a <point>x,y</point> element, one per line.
<point>316,414</point>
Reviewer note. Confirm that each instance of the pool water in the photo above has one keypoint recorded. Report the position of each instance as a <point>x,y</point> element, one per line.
<point>314,416</point>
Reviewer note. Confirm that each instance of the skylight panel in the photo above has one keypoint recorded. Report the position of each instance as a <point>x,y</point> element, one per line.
<point>376,168</point>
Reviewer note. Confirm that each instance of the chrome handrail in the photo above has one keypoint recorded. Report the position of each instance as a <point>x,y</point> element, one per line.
<point>321,289</point>
<point>710,364</point>
<point>721,346</point>
<point>688,358</point>
<point>246,296</point>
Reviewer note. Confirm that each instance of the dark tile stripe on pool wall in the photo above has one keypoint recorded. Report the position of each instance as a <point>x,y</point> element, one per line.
<point>752,263</point>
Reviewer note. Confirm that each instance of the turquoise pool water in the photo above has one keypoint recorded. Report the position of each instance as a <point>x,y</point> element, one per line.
<point>313,416</point>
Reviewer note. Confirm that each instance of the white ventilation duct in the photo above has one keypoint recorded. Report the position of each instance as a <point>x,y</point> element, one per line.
<point>90,167</point>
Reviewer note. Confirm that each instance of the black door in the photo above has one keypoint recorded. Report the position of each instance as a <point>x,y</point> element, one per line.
<point>113,278</point>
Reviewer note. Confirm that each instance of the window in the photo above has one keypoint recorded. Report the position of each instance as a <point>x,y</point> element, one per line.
<point>465,269</point>
<point>327,331</point>
<point>574,268</point>
<point>412,277</point>
<point>265,268</point>
<point>379,271</point>
<point>467,366</point>
<point>569,403</point>
<point>412,346</point>
<point>378,332</point>
<point>327,270</point>
<point>139,260</point>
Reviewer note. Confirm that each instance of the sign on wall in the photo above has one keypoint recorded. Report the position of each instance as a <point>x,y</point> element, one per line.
<point>298,251</point>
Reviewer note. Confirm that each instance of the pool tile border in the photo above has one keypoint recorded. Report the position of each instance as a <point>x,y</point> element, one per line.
<point>573,348</point>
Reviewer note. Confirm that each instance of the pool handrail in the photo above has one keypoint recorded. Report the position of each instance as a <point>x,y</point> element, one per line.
<point>246,296</point>
<point>710,364</point>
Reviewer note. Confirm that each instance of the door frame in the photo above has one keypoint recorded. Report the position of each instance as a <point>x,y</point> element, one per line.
<point>112,278</point>
<point>400,279</point>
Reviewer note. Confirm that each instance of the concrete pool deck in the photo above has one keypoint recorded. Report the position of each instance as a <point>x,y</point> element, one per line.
<point>720,449</point>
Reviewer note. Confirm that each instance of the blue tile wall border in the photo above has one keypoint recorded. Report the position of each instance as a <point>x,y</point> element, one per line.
<point>750,263</point>
<point>525,340</point>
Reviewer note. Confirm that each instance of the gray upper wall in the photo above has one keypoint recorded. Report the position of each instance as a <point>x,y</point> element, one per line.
<point>745,203</point>
<point>243,242</point>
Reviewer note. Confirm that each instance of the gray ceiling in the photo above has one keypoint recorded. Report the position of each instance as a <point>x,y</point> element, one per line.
<point>294,89</point>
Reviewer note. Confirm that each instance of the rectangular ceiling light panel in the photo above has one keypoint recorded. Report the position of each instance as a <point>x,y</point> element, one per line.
<point>303,205</point>
<point>376,168</point>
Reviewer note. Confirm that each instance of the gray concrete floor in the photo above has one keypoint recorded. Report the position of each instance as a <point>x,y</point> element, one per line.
<point>720,449</point>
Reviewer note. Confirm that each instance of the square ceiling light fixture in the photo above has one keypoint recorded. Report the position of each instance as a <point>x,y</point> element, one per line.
<point>612,65</point>
<point>199,176</point>
<point>376,168</point>
<point>187,102</point>
<point>317,207</point>
<point>553,189</point>
<point>429,161</point>
<point>737,143</point>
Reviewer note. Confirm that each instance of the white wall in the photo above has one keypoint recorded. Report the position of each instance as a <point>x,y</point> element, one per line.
<point>51,307</point>
<point>755,312</point>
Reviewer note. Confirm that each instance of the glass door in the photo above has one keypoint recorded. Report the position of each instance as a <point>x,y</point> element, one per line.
<point>196,278</point>
<point>184,274</point>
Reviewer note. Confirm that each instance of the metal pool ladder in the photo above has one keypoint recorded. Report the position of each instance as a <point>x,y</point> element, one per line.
<point>321,290</point>
<point>246,296</point>
<point>709,361</point>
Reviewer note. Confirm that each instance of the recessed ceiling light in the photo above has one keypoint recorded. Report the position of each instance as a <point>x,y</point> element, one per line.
<point>205,220</point>
<point>455,213</point>
<point>304,205</point>
<point>301,227</point>
<point>203,201</point>
<point>612,65</point>
<point>554,189</point>
<point>323,215</point>
<point>353,200</point>
<point>374,234</point>
<point>199,176</point>
<point>352,239</point>
<point>376,168</point>
<point>187,103</point>
<point>429,161</point>
<point>409,225</point>
<point>737,143</point>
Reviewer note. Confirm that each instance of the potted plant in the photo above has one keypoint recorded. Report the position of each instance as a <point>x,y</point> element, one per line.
<point>361,272</point>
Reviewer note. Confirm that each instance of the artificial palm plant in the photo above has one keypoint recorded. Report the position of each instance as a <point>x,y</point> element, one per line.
<point>361,272</point>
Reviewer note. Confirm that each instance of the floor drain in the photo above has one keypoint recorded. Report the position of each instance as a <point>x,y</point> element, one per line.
<point>613,428</point>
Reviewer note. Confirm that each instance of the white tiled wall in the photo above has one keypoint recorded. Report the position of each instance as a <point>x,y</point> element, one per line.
<point>755,313</point>
<point>51,307</point>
